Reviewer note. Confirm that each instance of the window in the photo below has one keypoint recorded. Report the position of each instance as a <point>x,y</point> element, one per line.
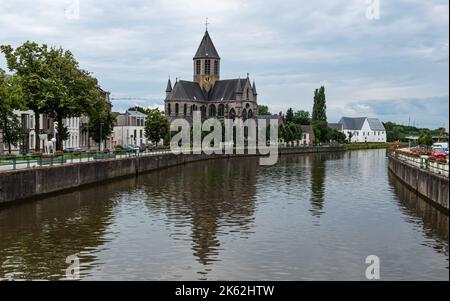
<point>216,67</point>
<point>185,110</point>
<point>198,67</point>
<point>177,109</point>
<point>169,110</point>
<point>221,110</point>
<point>247,93</point>
<point>140,133</point>
<point>207,67</point>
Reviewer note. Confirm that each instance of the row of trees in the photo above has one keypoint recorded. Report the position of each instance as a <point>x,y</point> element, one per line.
<point>396,132</point>
<point>48,80</point>
<point>291,130</point>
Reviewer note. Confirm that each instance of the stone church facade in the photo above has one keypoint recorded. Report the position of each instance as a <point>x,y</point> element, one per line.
<point>207,93</point>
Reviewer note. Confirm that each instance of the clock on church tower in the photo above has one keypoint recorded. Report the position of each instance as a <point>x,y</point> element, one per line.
<point>206,64</point>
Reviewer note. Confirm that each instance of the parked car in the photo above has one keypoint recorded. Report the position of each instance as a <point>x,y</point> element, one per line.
<point>131,147</point>
<point>440,154</point>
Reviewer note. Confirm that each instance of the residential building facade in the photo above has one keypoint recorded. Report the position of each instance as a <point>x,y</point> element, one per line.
<point>130,129</point>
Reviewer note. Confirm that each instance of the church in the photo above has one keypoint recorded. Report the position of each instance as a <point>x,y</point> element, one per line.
<point>207,93</point>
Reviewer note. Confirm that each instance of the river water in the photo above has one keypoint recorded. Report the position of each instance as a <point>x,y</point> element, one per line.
<point>310,217</point>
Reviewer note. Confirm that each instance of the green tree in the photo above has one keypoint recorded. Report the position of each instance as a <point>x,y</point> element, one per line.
<point>336,135</point>
<point>319,108</point>
<point>28,63</point>
<point>157,126</point>
<point>319,115</point>
<point>425,138</point>
<point>263,110</point>
<point>101,120</point>
<point>289,116</point>
<point>12,129</point>
<point>302,118</point>
<point>72,91</point>
<point>138,109</point>
<point>10,98</point>
<point>292,132</point>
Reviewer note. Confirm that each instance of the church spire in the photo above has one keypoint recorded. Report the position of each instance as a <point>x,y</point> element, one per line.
<point>169,86</point>
<point>206,50</point>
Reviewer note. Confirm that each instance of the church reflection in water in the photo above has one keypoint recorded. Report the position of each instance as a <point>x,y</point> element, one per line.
<point>211,197</point>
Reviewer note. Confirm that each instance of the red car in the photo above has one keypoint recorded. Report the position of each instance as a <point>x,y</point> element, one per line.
<point>440,155</point>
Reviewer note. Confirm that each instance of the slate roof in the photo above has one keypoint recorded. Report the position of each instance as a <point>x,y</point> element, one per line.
<point>222,90</point>
<point>356,124</point>
<point>206,49</point>
<point>375,124</point>
<point>135,113</point>
<point>350,123</point>
<point>336,126</point>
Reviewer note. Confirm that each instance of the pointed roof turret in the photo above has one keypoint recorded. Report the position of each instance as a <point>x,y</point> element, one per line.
<point>169,86</point>
<point>206,49</point>
<point>254,88</point>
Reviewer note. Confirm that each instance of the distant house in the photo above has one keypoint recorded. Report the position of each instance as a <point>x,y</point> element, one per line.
<point>130,128</point>
<point>308,137</point>
<point>363,129</point>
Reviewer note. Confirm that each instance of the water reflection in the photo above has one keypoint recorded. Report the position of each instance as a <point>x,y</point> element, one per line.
<point>318,173</point>
<point>213,197</point>
<point>420,212</point>
<point>233,219</point>
<point>36,237</point>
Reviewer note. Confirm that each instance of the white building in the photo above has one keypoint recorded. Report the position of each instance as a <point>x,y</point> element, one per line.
<point>363,129</point>
<point>130,129</point>
<point>73,129</point>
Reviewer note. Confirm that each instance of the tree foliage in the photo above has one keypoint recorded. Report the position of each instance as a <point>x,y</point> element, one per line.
<point>425,138</point>
<point>157,126</point>
<point>263,110</point>
<point>302,117</point>
<point>28,63</point>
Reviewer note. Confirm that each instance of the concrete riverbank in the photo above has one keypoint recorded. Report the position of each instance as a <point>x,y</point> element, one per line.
<point>427,184</point>
<point>24,184</point>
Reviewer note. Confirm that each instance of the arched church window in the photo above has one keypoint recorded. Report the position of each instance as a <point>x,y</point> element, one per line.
<point>177,109</point>
<point>244,114</point>
<point>185,110</point>
<point>207,67</point>
<point>212,110</point>
<point>221,110</point>
<point>250,114</point>
<point>169,111</point>
<point>203,111</point>
<point>248,93</point>
<point>198,67</point>
<point>232,114</point>
<point>216,67</point>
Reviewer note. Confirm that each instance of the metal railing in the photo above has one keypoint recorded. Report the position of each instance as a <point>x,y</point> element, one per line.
<point>424,162</point>
<point>14,162</point>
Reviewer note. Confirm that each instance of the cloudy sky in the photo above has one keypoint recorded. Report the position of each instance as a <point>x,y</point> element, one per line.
<point>392,63</point>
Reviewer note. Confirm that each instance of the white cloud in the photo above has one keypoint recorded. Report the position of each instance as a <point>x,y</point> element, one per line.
<point>290,47</point>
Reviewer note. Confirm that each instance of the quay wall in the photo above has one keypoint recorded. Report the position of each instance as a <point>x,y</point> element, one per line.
<point>40,181</point>
<point>432,186</point>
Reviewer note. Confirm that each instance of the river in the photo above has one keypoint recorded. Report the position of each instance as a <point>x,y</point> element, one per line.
<point>309,217</point>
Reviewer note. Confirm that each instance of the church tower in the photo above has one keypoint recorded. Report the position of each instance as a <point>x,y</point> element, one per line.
<point>206,64</point>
